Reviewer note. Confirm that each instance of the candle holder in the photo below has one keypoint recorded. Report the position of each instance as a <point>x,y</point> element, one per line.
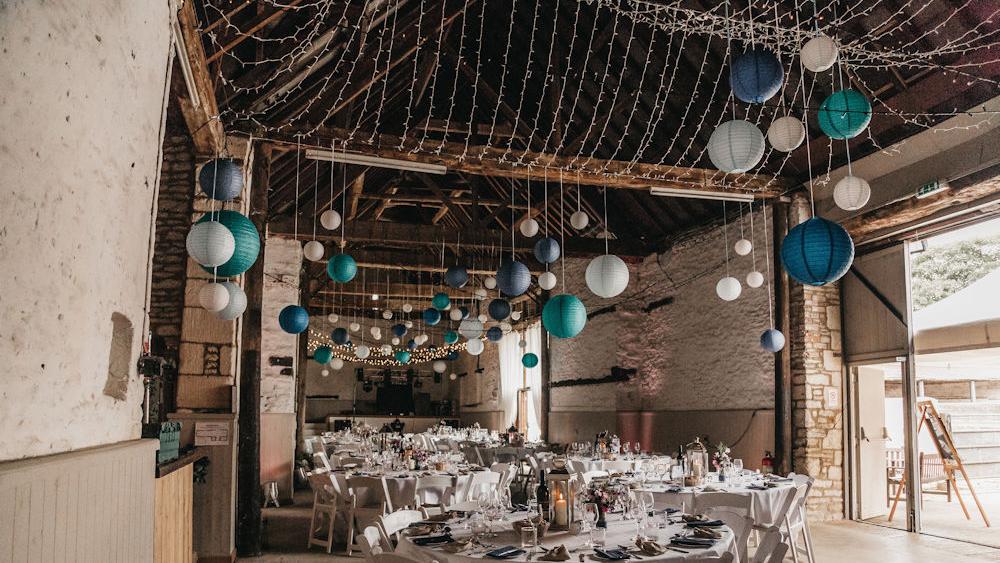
<point>562,499</point>
<point>696,457</point>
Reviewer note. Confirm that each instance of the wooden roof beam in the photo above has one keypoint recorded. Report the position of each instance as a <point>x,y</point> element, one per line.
<point>197,101</point>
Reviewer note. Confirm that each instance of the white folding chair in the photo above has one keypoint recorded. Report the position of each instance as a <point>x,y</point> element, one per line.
<point>771,549</point>
<point>372,543</point>
<point>326,503</point>
<point>370,502</point>
<point>435,491</point>
<point>796,525</point>
<point>401,493</point>
<point>735,510</point>
<point>321,461</point>
<point>480,482</point>
<point>392,524</point>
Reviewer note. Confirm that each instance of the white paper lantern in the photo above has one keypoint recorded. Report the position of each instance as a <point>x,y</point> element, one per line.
<point>237,302</point>
<point>851,193</point>
<point>325,373</point>
<point>455,314</point>
<point>375,330</point>
<point>579,220</point>
<point>529,227</point>
<point>786,133</point>
<point>490,282</point>
<point>333,317</point>
<point>819,53</point>
<point>330,219</point>
<point>480,293</point>
<point>736,146</point>
<point>354,327</point>
<point>213,297</point>
<point>515,316</point>
<point>475,347</point>
<point>728,288</point>
<point>743,247</point>
<point>210,243</point>
<point>408,323</point>
<point>377,335</point>
<point>471,328</point>
<point>337,363</point>
<point>439,366</point>
<point>522,344</point>
<point>313,251</point>
<point>395,341</point>
<point>547,280</point>
<point>483,318</point>
<point>386,350</point>
<point>755,279</point>
<point>387,314</point>
<point>607,276</point>
<point>505,327</point>
<point>453,376</point>
<point>407,308</point>
<point>362,352</point>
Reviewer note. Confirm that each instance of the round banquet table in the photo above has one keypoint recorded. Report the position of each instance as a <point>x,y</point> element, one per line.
<point>403,485</point>
<point>767,502</point>
<point>619,533</point>
<point>609,465</point>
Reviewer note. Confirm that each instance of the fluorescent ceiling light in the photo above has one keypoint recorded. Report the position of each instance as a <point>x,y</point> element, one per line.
<point>365,160</point>
<point>701,194</point>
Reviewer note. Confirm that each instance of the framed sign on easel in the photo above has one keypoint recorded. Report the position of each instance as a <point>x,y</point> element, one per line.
<point>930,418</point>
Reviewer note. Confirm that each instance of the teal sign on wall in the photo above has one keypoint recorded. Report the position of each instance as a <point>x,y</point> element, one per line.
<point>170,442</point>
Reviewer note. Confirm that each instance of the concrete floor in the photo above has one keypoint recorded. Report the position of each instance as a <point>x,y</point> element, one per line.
<point>286,532</point>
<point>946,519</point>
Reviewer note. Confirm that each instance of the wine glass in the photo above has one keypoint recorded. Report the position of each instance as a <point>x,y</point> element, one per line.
<point>638,448</point>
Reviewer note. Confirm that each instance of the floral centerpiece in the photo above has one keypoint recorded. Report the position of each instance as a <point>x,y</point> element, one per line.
<point>605,494</point>
<point>721,459</point>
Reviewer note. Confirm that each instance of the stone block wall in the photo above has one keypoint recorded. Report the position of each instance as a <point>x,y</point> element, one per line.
<point>282,272</point>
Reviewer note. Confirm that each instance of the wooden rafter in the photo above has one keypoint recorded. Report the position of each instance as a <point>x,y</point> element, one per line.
<point>199,107</point>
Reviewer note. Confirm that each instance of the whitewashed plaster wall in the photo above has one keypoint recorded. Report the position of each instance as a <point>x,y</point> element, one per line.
<point>282,269</point>
<point>82,100</point>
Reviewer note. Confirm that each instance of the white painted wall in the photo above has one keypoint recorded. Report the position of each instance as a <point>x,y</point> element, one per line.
<point>81,106</point>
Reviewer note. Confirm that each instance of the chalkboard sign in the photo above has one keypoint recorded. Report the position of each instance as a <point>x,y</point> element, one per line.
<point>170,442</point>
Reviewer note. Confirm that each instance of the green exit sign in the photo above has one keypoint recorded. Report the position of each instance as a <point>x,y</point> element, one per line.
<point>931,188</point>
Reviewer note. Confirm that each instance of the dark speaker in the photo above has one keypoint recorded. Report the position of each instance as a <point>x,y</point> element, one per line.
<point>359,373</point>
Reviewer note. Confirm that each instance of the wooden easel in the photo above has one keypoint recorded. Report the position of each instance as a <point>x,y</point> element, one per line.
<point>949,458</point>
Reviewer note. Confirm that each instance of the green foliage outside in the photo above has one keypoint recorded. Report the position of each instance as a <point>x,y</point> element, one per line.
<point>940,272</point>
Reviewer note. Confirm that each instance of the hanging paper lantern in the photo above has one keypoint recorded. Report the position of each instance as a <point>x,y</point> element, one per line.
<point>513,278</point>
<point>564,316</point>
<point>515,316</point>
<point>337,363</point>
<point>465,311</point>
<point>293,319</point>
<point>439,366</point>
<point>817,252</point>
<point>441,301</point>
<point>529,360</point>
<point>743,247</point>
<point>456,277</point>
<point>362,352</point>
<point>221,179</point>
<point>399,329</point>
<point>471,328</point>
<point>607,276</point>
<point>313,251</point>
<point>756,75</point>
<point>323,355</point>
<point>387,314</point>
<point>213,297</point>
<point>377,334</point>
<point>494,334</point>
<point>402,356</point>
<point>411,343</point>
<point>772,340</point>
<point>452,356</point>
<point>341,268</point>
<point>490,282</point>
<point>499,309</point>
<point>851,193</point>
<point>479,294</point>
<point>450,337</point>
<point>210,243</point>
<point>333,317</point>
<point>407,308</point>
<point>475,347</point>
<point>547,280</point>
<point>354,327</point>
<point>522,343</point>
<point>819,53</point>
<point>529,227</point>
<point>237,302</point>
<point>247,242</point>
<point>330,219</point>
<point>432,316</point>
<point>728,288</point>
<point>395,341</point>
<point>786,133</point>
<point>408,323</point>
<point>325,372</point>
<point>454,376</point>
<point>579,220</point>
<point>755,279</point>
<point>844,114</point>
<point>736,146</point>
<point>455,314</point>
<point>483,318</point>
<point>339,335</point>
<point>505,327</point>
<point>547,250</point>
<point>386,349</point>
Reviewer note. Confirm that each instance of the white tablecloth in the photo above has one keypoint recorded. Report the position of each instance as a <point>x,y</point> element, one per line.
<point>766,503</point>
<point>404,485</point>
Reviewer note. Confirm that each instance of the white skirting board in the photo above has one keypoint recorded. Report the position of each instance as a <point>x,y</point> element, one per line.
<point>88,505</point>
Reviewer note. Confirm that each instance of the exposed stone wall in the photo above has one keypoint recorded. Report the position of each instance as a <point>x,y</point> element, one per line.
<point>81,106</point>
<point>282,272</point>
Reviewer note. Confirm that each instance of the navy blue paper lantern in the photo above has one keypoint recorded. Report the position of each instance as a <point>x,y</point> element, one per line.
<point>221,179</point>
<point>432,316</point>
<point>465,312</point>
<point>547,250</point>
<point>772,340</point>
<point>453,355</point>
<point>817,252</point>
<point>293,319</point>
<point>441,301</point>
<point>399,330</point>
<point>450,337</point>
<point>513,278</point>
<point>411,344</point>
<point>340,336</point>
<point>323,355</point>
<point>456,277</point>
<point>499,309</point>
<point>756,75</point>
<point>494,334</point>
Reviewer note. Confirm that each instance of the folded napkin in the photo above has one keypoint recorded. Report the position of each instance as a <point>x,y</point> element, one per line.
<point>611,554</point>
<point>458,546</point>
<point>420,530</point>
<point>505,552</point>
<point>557,554</point>
<point>443,517</point>
<point>705,524</point>
<point>432,540</point>
<point>648,547</point>
<point>693,517</point>
<point>692,542</point>
<point>707,533</point>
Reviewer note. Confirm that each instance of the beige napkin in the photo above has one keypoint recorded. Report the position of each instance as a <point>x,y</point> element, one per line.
<point>443,517</point>
<point>693,517</point>
<point>706,533</point>
<point>458,546</point>
<point>650,547</point>
<point>420,530</point>
<point>557,554</point>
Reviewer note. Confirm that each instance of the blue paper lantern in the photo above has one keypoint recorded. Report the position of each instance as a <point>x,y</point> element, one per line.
<point>529,360</point>
<point>817,252</point>
<point>450,337</point>
<point>432,316</point>
<point>340,336</point>
<point>247,242</point>
<point>402,356</point>
<point>293,319</point>
<point>494,334</point>
<point>844,114</point>
<point>499,309</point>
<point>441,301</point>
<point>399,329</point>
<point>411,344</point>
<point>756,75</point>
<point>513,278</point>
<point>547,250</point>
<point>772,340</point>
<point>564,316</point>
<point>323,355</point>
<point>456,277</point>
<point>341,268</point>
<point>453,355</point>
<point>465,312</point>
<point>221,179</point>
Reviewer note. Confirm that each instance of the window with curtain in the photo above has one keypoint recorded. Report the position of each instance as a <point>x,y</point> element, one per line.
<point>520,387</point>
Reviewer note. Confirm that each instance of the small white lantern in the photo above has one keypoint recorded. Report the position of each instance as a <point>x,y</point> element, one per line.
<point>325,372</point>
<point>515,316</point>
<point>786,133</point>
<point>213,297</point>
<point>529,227</point>
<point>455,314</point>
<point>439,366</point>
<point>237,302</point>
<point>354,327</point>
<point>728,288</point>
<point>407,308</point>
<point>386,350</point>
<point>333,317</point>
<point>210,243</point>
<point>475,347</point>
<point>547,280</point>
<point>480,293</point>
<point>362,352</point>
<point>395,341</point>
<point>408,323</point>
<point>736,146</point>
<point>743,247</point>
<point>505,327</point>
<point>375,331</point>
<point>579,220</point>
<point>607,276</point>
<point>387,314</point>
<point>453,376</point>
<point>337,363</point>
<point>313,251</point>
<point>851,193</point>
<point>819,53</point>
<point>490,282</point>
<point>483,318</point>
<point>755,279</point>
<point>522,344</point>
<point>330,219</point>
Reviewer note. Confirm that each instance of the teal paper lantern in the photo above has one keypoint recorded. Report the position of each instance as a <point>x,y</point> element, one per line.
<point>529,360</point>
<point>293,319</point>
<point>844,114</point>
<point>323,355</point>
<point>564,316</point>
<point>402,356</point>
<point>341,268</point>
<point>450,337</point>
<point>817,252</point>
<point>441,301</point>
<point>247,242</point>
<point>432,316</point>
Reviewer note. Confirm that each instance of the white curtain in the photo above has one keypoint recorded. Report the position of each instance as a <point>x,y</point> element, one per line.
<point>512,378</point>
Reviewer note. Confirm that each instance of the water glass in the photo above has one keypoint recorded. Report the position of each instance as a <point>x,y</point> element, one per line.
<point>598,537</point>
<point>529,537</point>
